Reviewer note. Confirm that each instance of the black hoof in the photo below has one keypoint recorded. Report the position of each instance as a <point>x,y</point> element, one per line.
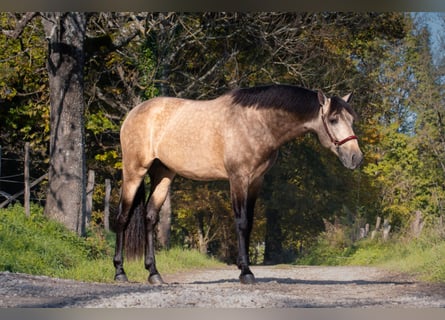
<point>247,278</point>
<point>155,279</point>
<point>122,277</point>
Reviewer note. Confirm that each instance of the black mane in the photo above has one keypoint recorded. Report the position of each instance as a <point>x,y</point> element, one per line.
<point>285,97</point>
<point>301,101</point>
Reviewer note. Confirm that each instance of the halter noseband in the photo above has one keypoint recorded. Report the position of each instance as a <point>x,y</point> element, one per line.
<point>335,141</point>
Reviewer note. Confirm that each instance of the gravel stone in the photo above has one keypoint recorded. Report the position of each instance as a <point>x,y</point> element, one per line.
<point>276,287</point>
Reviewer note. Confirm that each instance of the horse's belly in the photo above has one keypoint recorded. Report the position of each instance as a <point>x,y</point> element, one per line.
<point>193,160</point>
<point>196,169</point>
<point>203,174</point>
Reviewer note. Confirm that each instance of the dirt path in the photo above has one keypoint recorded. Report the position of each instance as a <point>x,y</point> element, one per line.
<point>278,286</point>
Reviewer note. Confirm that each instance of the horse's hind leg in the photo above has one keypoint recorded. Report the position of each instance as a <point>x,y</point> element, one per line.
<point>160,180</point>
<point>131,189</point>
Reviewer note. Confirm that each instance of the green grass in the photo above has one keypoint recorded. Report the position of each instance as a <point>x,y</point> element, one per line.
<point>36,245</point>
<point>423,257</point>
<point>167,261</point>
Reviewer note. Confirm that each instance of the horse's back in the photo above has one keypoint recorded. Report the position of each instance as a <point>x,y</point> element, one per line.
<point>186,135</point>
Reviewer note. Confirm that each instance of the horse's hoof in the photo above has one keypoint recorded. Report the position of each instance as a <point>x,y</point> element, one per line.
<point>122,277</point>
<point>155,279</point>
<point>247,278</point>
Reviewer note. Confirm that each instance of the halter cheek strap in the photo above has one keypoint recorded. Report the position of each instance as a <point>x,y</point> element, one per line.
<point>333,140</point>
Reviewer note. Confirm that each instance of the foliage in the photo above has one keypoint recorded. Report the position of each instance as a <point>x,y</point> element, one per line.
<point>404,163</point>
<point>401,177</point>
<point>23,89</point>
<point>204,220</point>
<point>332,247</point>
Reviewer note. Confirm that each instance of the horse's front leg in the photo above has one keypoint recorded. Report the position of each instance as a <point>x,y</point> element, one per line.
<point>243,209</point>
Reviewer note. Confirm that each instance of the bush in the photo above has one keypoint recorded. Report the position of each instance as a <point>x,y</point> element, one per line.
<point>332,247</point>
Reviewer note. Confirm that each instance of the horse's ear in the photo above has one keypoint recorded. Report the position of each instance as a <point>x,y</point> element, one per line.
<point>321,98</point>
<point>347,97</point>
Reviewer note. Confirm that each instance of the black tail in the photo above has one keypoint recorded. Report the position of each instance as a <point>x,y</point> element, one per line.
<point>135,231</point>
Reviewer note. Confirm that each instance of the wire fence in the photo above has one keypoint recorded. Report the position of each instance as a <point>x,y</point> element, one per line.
<point>13,186</point>
<point>27,182</point>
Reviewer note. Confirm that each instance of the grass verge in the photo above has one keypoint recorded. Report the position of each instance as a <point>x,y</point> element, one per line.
<point>168,261</point>
<point>423,256</point>
<point>36,245</point>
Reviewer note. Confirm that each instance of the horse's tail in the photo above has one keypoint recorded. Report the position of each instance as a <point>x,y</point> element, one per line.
<point>135,231</point>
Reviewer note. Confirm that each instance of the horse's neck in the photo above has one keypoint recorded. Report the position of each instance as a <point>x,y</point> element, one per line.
<point>283,126</point>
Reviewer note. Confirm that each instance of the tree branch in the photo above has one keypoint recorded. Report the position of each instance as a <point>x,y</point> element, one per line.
<point>20,26</point>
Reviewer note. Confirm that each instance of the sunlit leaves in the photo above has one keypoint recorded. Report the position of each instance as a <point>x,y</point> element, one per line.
<point>24,107</point>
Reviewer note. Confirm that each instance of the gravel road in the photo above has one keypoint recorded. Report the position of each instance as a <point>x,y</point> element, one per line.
<point>277,287</point>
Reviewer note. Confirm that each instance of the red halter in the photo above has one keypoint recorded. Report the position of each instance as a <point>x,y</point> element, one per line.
<point>335,141</point>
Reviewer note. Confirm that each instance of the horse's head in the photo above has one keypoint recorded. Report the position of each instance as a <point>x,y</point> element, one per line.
<point>334,129</point>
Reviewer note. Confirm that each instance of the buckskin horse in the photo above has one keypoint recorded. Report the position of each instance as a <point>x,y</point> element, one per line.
<point>233,137</point>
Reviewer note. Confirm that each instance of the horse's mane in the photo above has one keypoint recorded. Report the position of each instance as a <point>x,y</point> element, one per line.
<point>290,98</point>
<point>285,97</point>
<point>337,104</point>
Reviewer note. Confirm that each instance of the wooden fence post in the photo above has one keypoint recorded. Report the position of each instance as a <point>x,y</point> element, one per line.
<point>378,222</point>
<point>27,189</point>
<point>107,205</point>
<point>89,204</point>
<point>377,227</point>
<point>417,224</point>
<point>386,229</point>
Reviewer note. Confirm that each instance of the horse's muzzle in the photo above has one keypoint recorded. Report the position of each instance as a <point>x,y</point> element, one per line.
<point>353,161</point>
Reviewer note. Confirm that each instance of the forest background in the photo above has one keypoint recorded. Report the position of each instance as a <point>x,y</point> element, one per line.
<point>383,58</point>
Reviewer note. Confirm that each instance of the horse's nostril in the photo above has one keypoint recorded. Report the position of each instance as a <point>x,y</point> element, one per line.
<point>357,159</point>
<point>353,160</point>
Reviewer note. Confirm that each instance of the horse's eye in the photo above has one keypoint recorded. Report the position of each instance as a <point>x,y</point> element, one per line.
<point>333,121</point>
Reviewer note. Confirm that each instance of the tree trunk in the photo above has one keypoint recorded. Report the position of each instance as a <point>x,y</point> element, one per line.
<point>273,251</point>
<point>202,243</point>
<point>89,198</point>
<point>65,200</point>
<point>164,224</point>
<point>27,189</point>
<point>273,248</point>
<point>202,239</point>
<point>107,205</point>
